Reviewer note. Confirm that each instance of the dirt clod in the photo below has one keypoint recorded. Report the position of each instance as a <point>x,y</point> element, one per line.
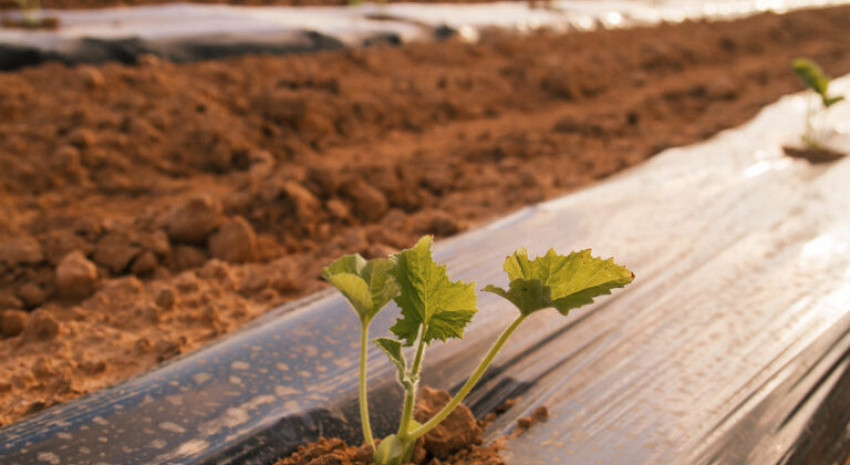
<point>540,414</point>
<point>186,257</point>
<point>368,203</point>
<point>76,276</point>
<point>31,294</point>
<point>12,322</point>
<point>165,298</point>
<point>301,203</point>
<point>234,241</point>
<point>21,251</point>
<point>115,251</point>
<point>507,405</point>
<point>814,155</point>
<point>41,325</point>
<point>194,220</point>
<point>458,430</point>
<point>144,264</point>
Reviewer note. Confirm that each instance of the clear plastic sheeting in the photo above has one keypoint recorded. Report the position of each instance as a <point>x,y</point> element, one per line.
<point>732,345</point>
<point>180,31</point>
<point>737,326</point>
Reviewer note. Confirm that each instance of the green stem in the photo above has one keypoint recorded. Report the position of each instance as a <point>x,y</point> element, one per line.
<point>410,394</point>
<point>364,401</point>
<point>470,383</point>
<point>810,138</point>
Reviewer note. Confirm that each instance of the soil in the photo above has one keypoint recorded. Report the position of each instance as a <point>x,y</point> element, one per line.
<point>146,210</point>
<point>455,441</point>
<point>814,155</point>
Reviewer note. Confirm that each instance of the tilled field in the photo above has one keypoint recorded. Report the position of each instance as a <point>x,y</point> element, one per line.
<point>147,209</point>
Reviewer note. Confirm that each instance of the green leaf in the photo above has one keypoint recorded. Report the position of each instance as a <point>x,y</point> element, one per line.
<point>562,282</point>
<point>392,348</point>
<point>528,295</point>
<point>830,101</point>
<point>814,78</point>
<point>428,298</point>
<point>810,73</point>
<point>367,285</point>
<point>352,264</point>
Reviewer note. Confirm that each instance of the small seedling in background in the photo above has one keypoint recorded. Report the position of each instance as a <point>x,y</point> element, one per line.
<point>815,79</point>
<point>32,17</point>
<point>433,307</point>
<point>30,12</point>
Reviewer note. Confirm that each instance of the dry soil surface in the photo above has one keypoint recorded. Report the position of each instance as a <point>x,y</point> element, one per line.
<point>145,210</point>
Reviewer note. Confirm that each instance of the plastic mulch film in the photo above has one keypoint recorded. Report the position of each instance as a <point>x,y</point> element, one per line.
<point>731,346</point>
<point>184,32</point>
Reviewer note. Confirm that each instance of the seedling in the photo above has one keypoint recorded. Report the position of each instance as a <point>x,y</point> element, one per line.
<point>433,307</point>
<point>31,16</point>
<point>815,79</point>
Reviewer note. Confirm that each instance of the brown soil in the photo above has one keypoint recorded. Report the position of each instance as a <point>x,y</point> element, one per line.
<point>146,210</point>
<point>455,441</point>
<point>814,154</point>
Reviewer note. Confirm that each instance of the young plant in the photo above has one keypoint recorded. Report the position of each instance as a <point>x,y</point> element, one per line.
<point>815,79</point>
<point>31,15</point>
<point>368,287</point>
<point>433,307</point>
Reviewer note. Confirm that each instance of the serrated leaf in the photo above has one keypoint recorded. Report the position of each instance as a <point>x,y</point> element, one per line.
<point>428,297</point>
<point>392,348</point>
<point>366,284</point>
<point>562,282</point>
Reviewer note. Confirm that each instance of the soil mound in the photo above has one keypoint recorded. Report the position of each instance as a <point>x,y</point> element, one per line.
<point>457,440</point>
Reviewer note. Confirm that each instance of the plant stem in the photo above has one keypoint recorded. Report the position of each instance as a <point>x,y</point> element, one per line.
<point>364,401</point>
<point>410,394</point>
<point>810,139</point>
<point>470,383</point>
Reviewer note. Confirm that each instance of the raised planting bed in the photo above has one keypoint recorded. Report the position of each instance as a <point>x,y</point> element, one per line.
<point>282,164</point>
<point>732,345</point>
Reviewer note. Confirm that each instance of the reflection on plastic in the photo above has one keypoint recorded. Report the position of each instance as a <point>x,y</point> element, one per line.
<point>731,346</point>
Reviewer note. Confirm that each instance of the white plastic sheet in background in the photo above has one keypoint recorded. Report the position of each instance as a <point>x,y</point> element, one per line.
<point>351,25</point>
